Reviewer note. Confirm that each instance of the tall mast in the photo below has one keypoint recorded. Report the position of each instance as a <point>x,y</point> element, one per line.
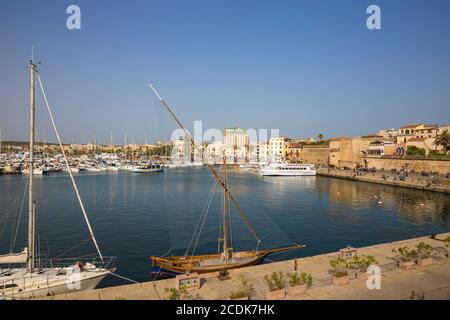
<point>225,210</point>
<point>31,211</point>
<point>210,168</point>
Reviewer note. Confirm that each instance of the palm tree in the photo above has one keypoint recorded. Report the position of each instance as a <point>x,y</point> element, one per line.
<point>320,137</point>
<point>443,139</point>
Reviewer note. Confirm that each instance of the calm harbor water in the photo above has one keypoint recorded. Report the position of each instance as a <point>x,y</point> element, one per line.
<point>135,216</point>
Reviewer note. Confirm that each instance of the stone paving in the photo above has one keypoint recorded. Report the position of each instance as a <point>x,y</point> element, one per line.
<point>430,282</point>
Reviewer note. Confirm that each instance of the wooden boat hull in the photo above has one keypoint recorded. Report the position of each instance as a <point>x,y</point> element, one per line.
<point>164,266</point>
<point>210,263</point>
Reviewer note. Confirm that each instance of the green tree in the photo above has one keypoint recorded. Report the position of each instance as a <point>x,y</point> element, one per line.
<point>415,151</point>
<point>320,136</point>
<point>443,139</point>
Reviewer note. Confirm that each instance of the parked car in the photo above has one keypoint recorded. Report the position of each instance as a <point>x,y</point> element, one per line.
<point>424,174</point>
<point>447,175</point>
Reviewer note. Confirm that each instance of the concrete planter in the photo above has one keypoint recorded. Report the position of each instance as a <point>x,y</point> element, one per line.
<point>425,262</point>
<point>297,290</point>
<point>340,281</point>
<point>406,265</point>
<point>362,275</point>
<point>276,295</point>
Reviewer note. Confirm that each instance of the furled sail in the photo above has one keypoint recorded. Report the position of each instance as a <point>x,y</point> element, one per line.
<point>14,257</point>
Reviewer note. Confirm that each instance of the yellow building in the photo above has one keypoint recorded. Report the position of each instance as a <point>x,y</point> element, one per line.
<point>294,151</point>
<point>278,147</point>
<point>416,131</point>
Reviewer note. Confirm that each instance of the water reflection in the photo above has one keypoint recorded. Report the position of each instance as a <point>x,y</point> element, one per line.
<point>415,205</point>
<point>136,216</point>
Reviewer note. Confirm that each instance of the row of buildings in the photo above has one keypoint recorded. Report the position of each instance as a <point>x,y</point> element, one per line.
<point>340,152</point>
<point>236,146</point>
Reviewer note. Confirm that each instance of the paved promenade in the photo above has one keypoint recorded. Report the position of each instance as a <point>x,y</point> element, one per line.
<point>412,181</point>
<point>430,282</point>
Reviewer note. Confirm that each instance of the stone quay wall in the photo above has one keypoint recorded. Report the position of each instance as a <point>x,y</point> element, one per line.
<point>441,166</point>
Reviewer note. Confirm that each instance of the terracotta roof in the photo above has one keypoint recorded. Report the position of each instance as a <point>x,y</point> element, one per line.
<point>410,126</point>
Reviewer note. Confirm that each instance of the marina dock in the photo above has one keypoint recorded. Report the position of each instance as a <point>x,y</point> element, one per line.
<point>423,282</point>
<point>376,177</point>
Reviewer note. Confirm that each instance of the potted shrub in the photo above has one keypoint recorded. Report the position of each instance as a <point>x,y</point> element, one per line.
<point>415,296</point>
<point>363,264</point>
<point>339,271</point>
<point>276,283</point>
<point>174,294</point>
<point>406,258</point>
<point>447,245</point>
<point>424,254</point>
<point>299,283</point>
<point>243,292</point>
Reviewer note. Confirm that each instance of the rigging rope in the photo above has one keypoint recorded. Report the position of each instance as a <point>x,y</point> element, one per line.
<point>68,169</point>
<point>203,223</point>
<point>230,226</point>
<point>73,248</point>
<point>220,224</point>
<point>211,168</point>
<point>125,278</point>
<point>8,214</point>
<point>49,254</point>
<point>13,244</point>
<point>201,215</point>
<point>157,274</point>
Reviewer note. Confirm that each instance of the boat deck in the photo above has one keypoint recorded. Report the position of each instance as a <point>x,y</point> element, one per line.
<point>216,262</point>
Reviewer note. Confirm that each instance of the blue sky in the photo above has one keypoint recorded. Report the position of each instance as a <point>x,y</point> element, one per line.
<point>305,67</point>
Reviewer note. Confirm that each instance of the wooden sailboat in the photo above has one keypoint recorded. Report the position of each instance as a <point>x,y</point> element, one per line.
<point>228,258</point>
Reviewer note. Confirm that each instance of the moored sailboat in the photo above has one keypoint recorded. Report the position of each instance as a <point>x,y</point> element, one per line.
<point>228,258</point>
<point>26,275</point>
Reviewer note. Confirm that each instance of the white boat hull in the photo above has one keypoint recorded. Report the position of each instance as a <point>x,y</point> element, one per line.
<point>137,170</point>
<point>271,172</point>
<point>47,284</point>
<point>288,169</point>
<point>36,171</point>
